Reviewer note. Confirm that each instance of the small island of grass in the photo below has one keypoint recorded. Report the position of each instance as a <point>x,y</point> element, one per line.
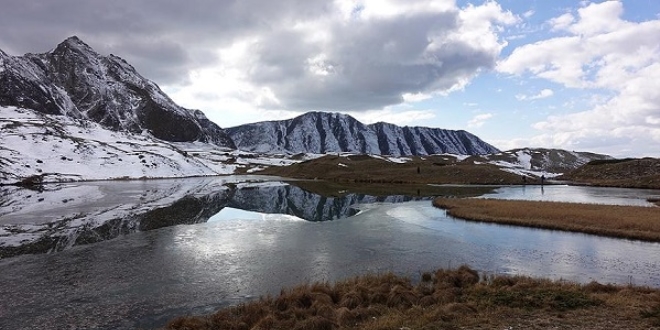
<point>630,222</point>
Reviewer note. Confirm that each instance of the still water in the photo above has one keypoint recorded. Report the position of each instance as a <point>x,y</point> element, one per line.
<point>191,250</point>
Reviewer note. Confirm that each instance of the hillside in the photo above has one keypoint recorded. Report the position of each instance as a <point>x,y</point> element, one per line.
<point>518,166</point>
<point>628,173</point>
<point>438,169</point>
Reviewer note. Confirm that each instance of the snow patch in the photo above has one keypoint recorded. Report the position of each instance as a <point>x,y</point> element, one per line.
<point>524,159</point>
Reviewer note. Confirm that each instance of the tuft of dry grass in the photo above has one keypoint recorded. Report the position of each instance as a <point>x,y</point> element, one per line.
<point>444,299</point>
<point>631,222</point>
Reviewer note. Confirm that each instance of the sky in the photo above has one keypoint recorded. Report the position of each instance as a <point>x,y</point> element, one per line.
<point>575,75</point>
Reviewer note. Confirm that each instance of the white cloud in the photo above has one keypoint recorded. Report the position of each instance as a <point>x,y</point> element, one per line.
<point>608,55</point>
<point>479,120</point>
<point>401,118</point>
<point>562,22</point>
<point>545,93</point>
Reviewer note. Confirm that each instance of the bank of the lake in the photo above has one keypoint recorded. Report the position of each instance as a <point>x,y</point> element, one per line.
<point>630,222</point>
<point>444,299</point>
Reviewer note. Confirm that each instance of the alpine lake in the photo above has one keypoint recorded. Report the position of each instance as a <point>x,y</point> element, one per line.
<point>134,254</point>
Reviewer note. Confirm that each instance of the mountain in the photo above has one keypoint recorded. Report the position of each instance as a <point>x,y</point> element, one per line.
<point>74,81</point>
<point>322,132</point>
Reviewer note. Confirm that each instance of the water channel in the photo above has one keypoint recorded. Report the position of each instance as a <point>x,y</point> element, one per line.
<point>125,255</point>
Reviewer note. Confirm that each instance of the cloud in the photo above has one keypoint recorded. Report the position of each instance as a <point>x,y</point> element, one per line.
<point>405,117</point>
<point>479,120</point>
<point>545,93</point>
<point>287,55</point>
<point>603,53</point>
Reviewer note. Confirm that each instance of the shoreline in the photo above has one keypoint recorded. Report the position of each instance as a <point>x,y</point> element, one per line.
<point>442,299</point>
<point>623,222</point>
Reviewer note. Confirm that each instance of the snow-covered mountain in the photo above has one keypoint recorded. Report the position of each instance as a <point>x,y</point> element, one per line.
<point>35,147</point>
<point>73,80</point>
<point>322,132</point>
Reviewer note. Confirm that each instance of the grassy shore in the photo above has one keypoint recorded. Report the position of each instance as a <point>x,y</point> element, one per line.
<point>364,169</point>
<point>444,299</point>
<point>631,222</point>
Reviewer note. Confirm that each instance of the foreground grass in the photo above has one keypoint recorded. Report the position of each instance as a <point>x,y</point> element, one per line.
<point>445,299</point>
<point>631,222</point>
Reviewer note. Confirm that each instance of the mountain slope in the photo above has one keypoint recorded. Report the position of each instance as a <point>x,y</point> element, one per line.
<point>321,132</point>
<point>75,81</point>
<point>538,161</point>
<point>628,173</point>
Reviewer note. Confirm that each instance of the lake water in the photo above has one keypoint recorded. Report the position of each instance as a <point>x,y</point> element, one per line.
<point>140,253</point>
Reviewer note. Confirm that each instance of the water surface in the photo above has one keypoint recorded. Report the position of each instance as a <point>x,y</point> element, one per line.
<point>194,249</point>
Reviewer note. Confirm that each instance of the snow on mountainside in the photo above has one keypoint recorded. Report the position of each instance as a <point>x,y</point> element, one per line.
<point>38,147</point>
<point>321,132</point>
<point>75,81</point>
<point>537,162</point>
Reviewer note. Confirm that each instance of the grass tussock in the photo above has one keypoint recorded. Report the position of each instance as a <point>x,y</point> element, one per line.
<point>631,222</point>
<point>444,299</point>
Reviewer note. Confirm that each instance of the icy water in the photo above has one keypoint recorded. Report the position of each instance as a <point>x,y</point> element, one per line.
<point>192,246</point>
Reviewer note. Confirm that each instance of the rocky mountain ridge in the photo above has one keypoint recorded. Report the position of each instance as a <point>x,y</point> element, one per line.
<point>323,132</point>
<point>73,80</point>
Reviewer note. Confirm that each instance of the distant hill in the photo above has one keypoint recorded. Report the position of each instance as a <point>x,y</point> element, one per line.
<point>537,160</point>
<point>637,173</point>
<point>508,167</point>
<point>323,132</point>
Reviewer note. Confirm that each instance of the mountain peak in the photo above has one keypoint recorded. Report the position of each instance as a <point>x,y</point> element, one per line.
<point>74,44</point>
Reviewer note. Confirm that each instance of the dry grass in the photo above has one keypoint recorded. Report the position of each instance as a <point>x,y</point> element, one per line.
<point>337,189</point>
<point>627,173</point>
<point>631,222</point>
<point>366,169</point>
<point>444,299</point>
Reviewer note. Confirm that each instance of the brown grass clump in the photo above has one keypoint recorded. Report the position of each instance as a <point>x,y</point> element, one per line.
<point>449,299</point>
<point>631,222</point>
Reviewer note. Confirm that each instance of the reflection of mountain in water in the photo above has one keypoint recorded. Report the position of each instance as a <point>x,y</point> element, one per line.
<point>171,206</point>
<point>295,201</point>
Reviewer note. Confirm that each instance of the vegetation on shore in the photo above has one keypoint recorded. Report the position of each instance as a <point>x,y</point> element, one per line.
<point>339,189</point>
<point>444,299</point>
<point>365,169</point>
<point>631,222</point>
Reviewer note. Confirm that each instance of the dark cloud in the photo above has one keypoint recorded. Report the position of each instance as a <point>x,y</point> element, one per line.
<point>368,63</point>
<point>162,39</point>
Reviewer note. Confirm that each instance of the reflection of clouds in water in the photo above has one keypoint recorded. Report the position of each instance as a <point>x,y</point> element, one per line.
<point>230,213</point>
